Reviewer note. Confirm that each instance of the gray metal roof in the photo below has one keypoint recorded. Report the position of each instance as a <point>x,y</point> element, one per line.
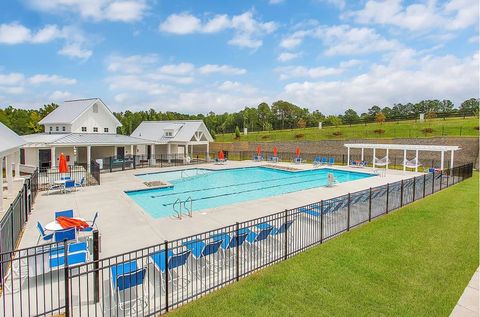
<point>94,139</point>
<point>183,130</point>
<point>70,110</point>
<point>9,140</point>
<point>392,146</point>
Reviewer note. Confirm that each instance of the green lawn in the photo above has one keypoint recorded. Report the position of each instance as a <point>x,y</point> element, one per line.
<point>400,129</point>
<point>413,262</point>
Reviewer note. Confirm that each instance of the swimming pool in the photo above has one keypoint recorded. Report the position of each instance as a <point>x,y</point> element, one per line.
<point>214,188</point>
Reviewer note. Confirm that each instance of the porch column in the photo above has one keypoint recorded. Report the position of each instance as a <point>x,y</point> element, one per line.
<point>89,157</point>
<point>131,150</point>
<point>185,153</point>
<point>441,161</point>
<point>152,154</point>
<point>374,156</point>
<point>1,183</point>
<point>451,159</point>
<point>348,156</point>
<point>168,152</point>
<point>8,166</point>
<point>53,158</point>
<point>404,159</point>
<point>17,165</point>
<point>386,166</point>
<point>362,155</point>
<point>416,161</point>
<point>208,152</point>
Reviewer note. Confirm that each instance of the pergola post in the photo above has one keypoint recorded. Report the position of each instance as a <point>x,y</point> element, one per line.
<point>1,183</point>
<point>374,156</point>
<point>348,156</point>
<point>416,161</point>
<point>17,165</point>
<point>208,151</point>
<point>168,152</point>
<point>153,160</point>
<point>9,170</point>
<point>89,157</point>
<point>53,157</point>
<point>441,160</point>
<point>362,154</point>
<point>451,159</point>
<point>131,150</point>
<point>404,159</point>
<point>386,162</point>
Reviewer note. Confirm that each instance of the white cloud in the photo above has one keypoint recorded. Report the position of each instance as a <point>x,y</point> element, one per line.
<point>455,14</point>
<point>177,69</point>
<point>51,79</point>
<point>287,56</point>
<point>237,87</point>
<point>221,69</point>
<point>407,78</point>
<point>131,64</point>
<point>75,50</point>
<point>97,10</point>
<point>11,79</point>
<point>58,95</point>
<point>276,1</point>
<point>301,71</point>
<point>247,30</point>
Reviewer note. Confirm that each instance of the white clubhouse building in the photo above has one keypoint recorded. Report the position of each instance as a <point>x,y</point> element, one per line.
<point>86,130</point>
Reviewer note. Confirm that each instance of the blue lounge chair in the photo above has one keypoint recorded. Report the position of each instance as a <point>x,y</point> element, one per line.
<point>67,234</point>
<point>54,187</point>
<point>81,184</point>
<point>64,213</point>
<point>298,160</point>
<point>273,159</point>
<point>91,224</point>
<point>69,185</point>
<point>77,254</point>
<point>126,278</point>
<point>317,161</point>
<point>313,211</point>
<point>331,161</point>
<point>255,237</point>
<point>324,160</point>
<point>230,242</point>
<point>174,261</point>
<point>63,178</point>
<point>201,250</point>
<point>43,236</point>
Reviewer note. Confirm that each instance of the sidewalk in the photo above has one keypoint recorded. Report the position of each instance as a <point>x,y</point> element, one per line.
<point>468,304</point>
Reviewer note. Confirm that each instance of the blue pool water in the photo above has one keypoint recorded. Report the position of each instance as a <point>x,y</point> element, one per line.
<point>209,188</point>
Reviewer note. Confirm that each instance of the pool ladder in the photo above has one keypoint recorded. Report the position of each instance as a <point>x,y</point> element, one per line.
<point>183,207</point>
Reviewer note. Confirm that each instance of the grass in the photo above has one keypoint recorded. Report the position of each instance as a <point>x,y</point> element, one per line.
<point>399,129</point>
<point>414,262</point>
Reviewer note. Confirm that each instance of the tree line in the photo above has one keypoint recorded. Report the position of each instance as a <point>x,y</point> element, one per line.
<point>279,115</point>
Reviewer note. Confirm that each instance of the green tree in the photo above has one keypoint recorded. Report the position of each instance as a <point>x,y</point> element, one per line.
<point>237,132</point>
<point>380,118</point>
<point>469,107</point>
<point>350,117</point>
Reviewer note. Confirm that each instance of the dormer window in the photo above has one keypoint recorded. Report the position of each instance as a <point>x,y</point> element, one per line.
<point>105,130</point>
<point>95,129</point>
<point>84,129</point>
<point>63,129</point>
<point>168,133</point>
<point>51,129</point>
<point>56,129</point>
<point>95,108</point>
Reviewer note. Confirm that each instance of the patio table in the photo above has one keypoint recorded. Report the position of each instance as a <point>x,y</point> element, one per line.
<point>55,226</point>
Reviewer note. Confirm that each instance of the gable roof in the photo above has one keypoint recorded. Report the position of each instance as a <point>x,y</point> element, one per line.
<point>183,130</point>
<point>94,139</point>
<point>70,110</point>
<point>10,140</point>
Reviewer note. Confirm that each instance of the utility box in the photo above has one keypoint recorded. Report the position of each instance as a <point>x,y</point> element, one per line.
<point>245,131</point>
<point>422,117</point>
<point>320,125</point>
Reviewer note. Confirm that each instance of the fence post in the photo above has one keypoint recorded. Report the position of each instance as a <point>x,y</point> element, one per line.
<point>401,194</point>
<point>166,275</point>
<point>370,205</point>
<point>134,162</point>
<point>449,172</point>
<point>66,278</point>
<point>441,179</point>
<point>388,189</point>
<point>27,203</point>
<point>237,259</point>
<point>348,213</point>
<point>96,276</point>
<point>433,182</point>
<point>321,221</point>
<point>424,183</point>
<point>286,235</point>
<point>111,162</point>
<point>414,182</point>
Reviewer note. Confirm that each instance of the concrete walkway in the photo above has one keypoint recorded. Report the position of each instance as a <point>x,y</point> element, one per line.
<point>468,304</point>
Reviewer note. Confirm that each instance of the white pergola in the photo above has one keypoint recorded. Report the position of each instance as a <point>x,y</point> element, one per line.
<point>404,147</point>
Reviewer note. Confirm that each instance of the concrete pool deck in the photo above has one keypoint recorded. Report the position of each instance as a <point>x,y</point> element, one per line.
<point>124,226</point>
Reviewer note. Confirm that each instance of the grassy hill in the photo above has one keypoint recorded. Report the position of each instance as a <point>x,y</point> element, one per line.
<point>400,129</point>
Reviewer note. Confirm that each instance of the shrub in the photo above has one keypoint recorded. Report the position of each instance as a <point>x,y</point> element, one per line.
<point>264,137</point>
<point>477,127</point>
<point>299,135</point>
<point>237,132</point>
<point>427,130</point>
<point>337,133</point>
<point>379,131</point>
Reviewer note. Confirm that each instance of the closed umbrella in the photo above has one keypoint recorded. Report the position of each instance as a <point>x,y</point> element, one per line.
<point>221,156</point>
<point>62,164</point>
<point>259,150</point>
<point>275,151</point>
<point>297,151</point>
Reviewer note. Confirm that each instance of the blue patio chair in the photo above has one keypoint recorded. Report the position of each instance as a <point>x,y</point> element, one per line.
<point>92,224</point>
<point>324,160</point>
<point>72,248</point>
<point>317,161</point>
<point>331,161</point>
<point>69,185</point>
<point>63,178</point>
<point>125,280</point>
<point>43,236</point>
<point>201,250</point>
<point>64,213</point>
<point>81,184</point>
<point>67,234</point>
<point>173,261</point>
<point>255,237</point>
<point>54,187</point>
<point>229,243</point>
<point>57,261</point>
<point>278,231</point>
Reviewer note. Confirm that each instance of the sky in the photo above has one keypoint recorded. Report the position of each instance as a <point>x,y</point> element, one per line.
<point>203,55</point>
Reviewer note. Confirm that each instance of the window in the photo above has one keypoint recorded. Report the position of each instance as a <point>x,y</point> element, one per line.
<point>168,133</point>
<point>51,129</point>
<point>105,130</point>
<point>84,129</point>
<point>63,129</point>
<point>95,129</point>
<point>56,129</point>
<point>95,108</point>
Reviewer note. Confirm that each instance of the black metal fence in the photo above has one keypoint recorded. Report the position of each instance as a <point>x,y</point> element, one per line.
<point>78,172</point>
<point>128,162</point>
<point>13,220</point>
<point>152,280</point>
